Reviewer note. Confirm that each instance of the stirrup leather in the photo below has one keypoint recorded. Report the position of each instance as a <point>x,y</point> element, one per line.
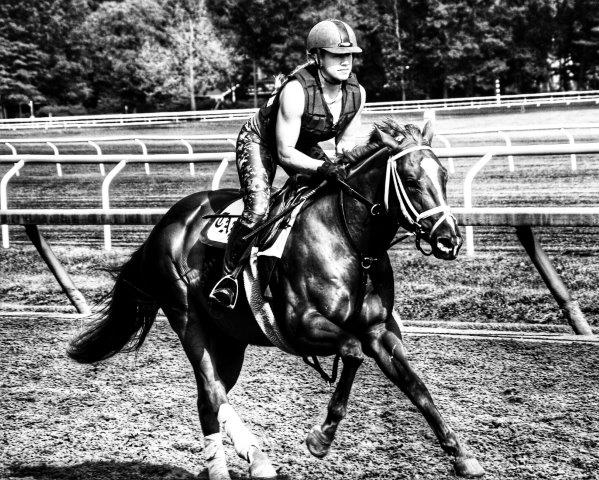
<point>223,285</point>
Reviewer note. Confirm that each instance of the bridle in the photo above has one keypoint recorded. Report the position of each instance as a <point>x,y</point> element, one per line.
<point>409,212</point>
<point>405,204</point>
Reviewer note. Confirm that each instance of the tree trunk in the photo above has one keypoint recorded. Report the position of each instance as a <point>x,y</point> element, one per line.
<point>255,84</point>
<point>192,96</point>
<point>402,80</point>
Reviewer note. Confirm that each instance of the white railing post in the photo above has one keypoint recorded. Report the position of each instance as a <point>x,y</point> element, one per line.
<point>477,167</point>
<point>446,143</point>
<point>106,199</point>
<point>572,155</point>
<point>14,153</point>
<point>99,152</point>
<point>4,197</point>
<point>508,143</point>
<point>221,170</point>
<point>55,150</point>
<point>144,151</point>
<point>192,171</point>
<point>429,114</point>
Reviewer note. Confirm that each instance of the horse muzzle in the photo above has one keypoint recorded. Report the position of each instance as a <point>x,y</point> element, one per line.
<point>446,246</point>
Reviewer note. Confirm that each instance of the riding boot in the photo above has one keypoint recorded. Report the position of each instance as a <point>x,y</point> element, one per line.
<point>225,290</point>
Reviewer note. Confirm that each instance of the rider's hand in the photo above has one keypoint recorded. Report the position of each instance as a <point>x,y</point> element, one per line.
<point>332,171</point>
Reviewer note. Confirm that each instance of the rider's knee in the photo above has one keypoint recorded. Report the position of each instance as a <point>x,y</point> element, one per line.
<point>251,218</point>
<point>257,205</point>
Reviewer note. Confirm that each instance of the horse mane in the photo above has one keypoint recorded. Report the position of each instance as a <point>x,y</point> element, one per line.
<point>408,133</point>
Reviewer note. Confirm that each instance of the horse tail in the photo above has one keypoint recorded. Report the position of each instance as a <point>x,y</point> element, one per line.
<point>124,320</point>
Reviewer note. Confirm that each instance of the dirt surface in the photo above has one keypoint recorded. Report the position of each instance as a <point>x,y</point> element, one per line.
<point>528,411</point>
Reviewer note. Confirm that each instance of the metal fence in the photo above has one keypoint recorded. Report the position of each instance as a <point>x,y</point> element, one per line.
<point>486,153</point>
<point>380,108</point>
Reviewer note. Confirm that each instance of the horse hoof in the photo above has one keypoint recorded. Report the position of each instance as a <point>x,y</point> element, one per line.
<point>317,443</point>
<point>468,467</point>
<point>261,468</point>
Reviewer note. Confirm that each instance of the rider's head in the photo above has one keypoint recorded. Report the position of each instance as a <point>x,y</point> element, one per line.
<point>332,43</point>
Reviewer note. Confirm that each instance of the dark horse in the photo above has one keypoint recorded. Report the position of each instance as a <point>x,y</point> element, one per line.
<point>332,290</point>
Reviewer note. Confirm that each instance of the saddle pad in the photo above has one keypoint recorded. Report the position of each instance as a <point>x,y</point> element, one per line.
<point>260,307</point>
<point>217,233</point>
<point>275,248</point>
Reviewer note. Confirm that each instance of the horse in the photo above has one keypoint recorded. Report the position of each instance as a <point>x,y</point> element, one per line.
<point>332,288</point>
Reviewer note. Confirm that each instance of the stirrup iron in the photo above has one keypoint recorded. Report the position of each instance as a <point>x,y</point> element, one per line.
<point>222,284</point>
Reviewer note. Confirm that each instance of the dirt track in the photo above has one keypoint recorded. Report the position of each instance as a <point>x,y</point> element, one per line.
<point>529,411</point>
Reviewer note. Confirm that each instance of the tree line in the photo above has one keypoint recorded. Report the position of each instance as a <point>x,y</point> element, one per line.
<point>79,56</point>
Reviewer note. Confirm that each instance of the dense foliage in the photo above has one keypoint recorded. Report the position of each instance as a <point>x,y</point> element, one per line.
<point>94,55</point>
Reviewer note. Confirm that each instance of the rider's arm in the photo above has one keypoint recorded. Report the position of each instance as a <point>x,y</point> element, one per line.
<point>348,138</point>
<point>289,120</point>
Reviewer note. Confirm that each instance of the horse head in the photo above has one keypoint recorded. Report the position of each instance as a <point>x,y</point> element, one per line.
<point>415,188</point>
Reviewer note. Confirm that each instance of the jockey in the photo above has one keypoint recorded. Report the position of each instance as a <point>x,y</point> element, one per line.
<point>319,101</point>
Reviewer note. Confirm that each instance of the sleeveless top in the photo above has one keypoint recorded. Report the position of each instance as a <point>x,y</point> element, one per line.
<point>317,121</point>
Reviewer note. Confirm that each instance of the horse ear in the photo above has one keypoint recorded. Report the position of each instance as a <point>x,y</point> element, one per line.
<point>427,132</point>
<point>387,139</point>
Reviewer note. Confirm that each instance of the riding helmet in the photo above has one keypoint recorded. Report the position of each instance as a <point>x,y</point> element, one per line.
<point>334,36</point>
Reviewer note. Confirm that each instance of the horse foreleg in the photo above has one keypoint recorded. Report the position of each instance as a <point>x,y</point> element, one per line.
<point>320,438</point>
<point>388,351</point>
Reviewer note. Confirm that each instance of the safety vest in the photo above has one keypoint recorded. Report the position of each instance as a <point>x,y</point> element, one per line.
<point>317,121</point>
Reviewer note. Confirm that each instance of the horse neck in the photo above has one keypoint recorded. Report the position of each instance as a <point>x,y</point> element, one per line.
<point>370,234</point>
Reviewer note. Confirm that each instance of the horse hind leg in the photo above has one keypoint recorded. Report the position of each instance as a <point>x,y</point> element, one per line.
<point>245,442</point>
<point>321,437</point>
<point>387,350</point>
<point>216,367</point>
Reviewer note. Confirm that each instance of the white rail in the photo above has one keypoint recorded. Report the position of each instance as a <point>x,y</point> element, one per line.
<point>120,160</point>
<point>115,158</point>
<point>4,197</point>
<point>221,170</point>
<point>135,119</point>
<point>106,199</point>
<point>486,152</point>
<point>497,151</point>
<point>478,216</point>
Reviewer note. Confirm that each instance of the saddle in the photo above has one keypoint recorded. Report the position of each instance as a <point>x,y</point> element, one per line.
<point>216,231</point>
<point>271,241</point>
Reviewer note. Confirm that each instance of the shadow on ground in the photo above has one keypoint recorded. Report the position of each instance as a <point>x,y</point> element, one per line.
<point>100,471</point>
<point>109,471</point>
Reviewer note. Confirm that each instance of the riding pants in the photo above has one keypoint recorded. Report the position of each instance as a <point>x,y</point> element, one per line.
<point>256,168</point>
